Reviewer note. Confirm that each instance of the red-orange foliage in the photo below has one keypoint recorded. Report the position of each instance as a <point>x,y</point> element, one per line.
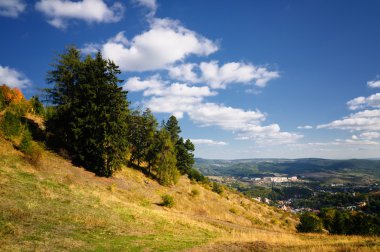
<point>13,95</point>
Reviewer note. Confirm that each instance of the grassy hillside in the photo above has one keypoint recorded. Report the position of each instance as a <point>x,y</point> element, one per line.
<point>57,206</point>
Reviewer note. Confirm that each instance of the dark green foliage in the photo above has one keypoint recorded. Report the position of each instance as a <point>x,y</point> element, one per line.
<point>37,106</point>
<point>11,125</point>
<point>350,222</point>
<point>173,128</point>
<point>185,156</point>
<point>195,175</point>
<point>216,187</point>
<point>310,223</point>
<point>184,149</point>
<point>167,201</point>
<point>141,133</point>
<point>91,111</point>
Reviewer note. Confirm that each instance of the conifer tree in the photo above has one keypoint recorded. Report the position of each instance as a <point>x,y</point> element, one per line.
<point>91,111</point>
<point>184,149</point>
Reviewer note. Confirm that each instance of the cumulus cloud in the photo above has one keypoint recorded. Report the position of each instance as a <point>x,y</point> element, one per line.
<point>367,120</point>
<point>219,76</point>
<point>165,43</point>
<point>179,99</point>
<point>12,8</point>
<point>135,84</point>
<point>305,127</point>
<point>363,102</point>
<point>209,142</point>
<point>245,123</point>
<point>13,78</point>
<point>184,72</point>
<point>235,72</point>
<point>59,12</point>
<point>373,84</point>
<point>165,97</point>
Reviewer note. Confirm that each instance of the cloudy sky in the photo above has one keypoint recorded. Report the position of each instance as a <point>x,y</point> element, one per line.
<point>246,79</point>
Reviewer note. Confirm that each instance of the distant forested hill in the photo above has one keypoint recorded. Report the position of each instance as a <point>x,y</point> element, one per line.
<point>352,170</point>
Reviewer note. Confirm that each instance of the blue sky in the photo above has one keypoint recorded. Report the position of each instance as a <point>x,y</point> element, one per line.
<point>247,79</point>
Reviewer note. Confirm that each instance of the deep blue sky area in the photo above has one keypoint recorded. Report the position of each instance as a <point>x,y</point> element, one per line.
<point>264,78</point>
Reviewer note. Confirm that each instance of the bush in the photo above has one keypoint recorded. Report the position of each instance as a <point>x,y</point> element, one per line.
<point>26,142</point>
<point>195,175</point>
<point>34,154</point>
<point>217,188</point>
<point>11,125</point>
<point>310,223</point>
<point>167,201</point>
<point>194,192</point>
<point>37,106</point>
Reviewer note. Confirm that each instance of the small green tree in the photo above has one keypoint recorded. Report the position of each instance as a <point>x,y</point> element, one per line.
<point>165,162</point>
<point>310,223</point>
<point>37,106</point>
<point>11,125</point>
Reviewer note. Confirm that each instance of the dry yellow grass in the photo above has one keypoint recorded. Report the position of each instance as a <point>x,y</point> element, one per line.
<point>57,206</point>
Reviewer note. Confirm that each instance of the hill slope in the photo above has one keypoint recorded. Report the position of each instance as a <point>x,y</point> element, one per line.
<point>360,171</point>
<point>57,206</point>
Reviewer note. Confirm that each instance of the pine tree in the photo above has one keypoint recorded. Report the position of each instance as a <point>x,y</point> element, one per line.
<point>142,128</point>
<point>184,149</point>
<point>91,111</point>
<point>173,128</point>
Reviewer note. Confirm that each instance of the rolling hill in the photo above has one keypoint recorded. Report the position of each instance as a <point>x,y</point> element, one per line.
<point>57,206</point>
<point>322,170</point>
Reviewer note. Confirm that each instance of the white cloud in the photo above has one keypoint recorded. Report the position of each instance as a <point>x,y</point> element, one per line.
<point>12,8</point>
<point>13,78</point>
<point>150,4</point>
<point>90,48</point>
<point>220,76</point>
<point>305,127</point>
<point>209,142</point>
<point>366,135</point>
<point>184,72</point>
<point>374,84</point>
<point>91,11</point>
<point>173,98</point>
<point>363,102</point>
<point>367,120</point>
<point>228,118</point>
<point>235,72</point>
<point>135,84</point>
<point>178,99</point>
<point>165,43</point>
<point>246,124</point>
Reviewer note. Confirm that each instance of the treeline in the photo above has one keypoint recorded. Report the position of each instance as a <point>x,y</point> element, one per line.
<point>88,120</point>
<point>336,221</point>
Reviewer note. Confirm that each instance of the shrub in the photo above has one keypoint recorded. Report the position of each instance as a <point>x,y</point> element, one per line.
<point>233,210</point>
<point>37,106</point>
<point>11,125</point>
<point>167,201</point>
<point>194,192</point>
<point>34,154</point>
<point>310,223</point>
<point>217,188</point>
<point>26,142</point>
<point>195,175</point>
